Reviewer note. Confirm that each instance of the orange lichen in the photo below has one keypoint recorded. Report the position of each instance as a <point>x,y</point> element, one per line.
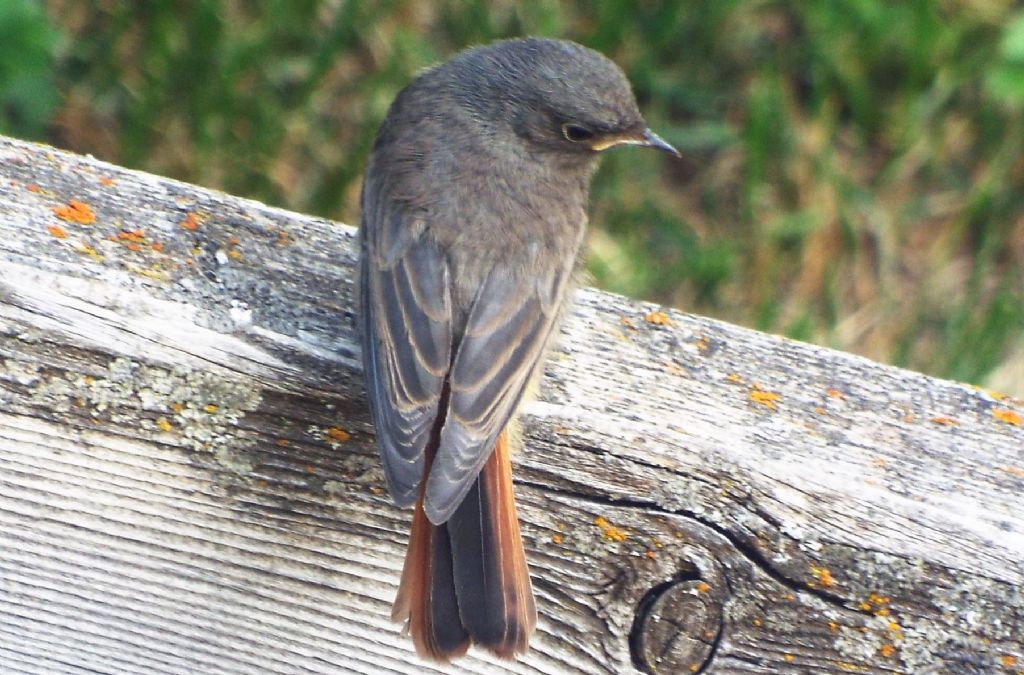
<point>876,604</point>
<point>609,531</point>
<point>57,231</point>
<point>833,627</point>
<point>674,369</point>
<point>757,623</point>
<point>1008,416</point>
<point>85,249</point>
<point>191,221</point>
<point>75,211</point>
<point>703,587</point>
<point>734,377</point>
<point>131,235</point>
<point>106,181</point>
<point>156,274</point>
<point>234,253</point>
<point>823,576</point>
<point>788,657</point>
<point>993,394</point>
<point>338,435</point>
<point>945,421</point>
<point>177,407</point>
<point>556,538</point>
<point>211,408</point>
<point>896,630</point>
<point>658,318</point>
<point>283,442</point>
<point>1008,661</point>
<point>835,393</point>
<point>32,187</point>
<point>1013,471</point>
<point>163,424</point>
<point>157,246</point>
<point>766,398</point>
<point>887,650</point>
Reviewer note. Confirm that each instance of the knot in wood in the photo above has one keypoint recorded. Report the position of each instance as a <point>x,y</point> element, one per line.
<point>678,623</point>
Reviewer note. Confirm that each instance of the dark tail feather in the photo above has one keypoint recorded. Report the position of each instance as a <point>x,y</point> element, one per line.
<point>492,580</point>
<point>467,580</point>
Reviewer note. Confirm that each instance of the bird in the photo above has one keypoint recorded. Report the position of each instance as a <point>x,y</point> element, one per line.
<point>473,213</point>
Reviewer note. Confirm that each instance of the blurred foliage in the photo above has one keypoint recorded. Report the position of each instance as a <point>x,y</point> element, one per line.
<point>27,47</point>
<point>853,172</point>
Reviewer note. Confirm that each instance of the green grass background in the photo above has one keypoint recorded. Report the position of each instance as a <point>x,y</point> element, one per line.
<point>853,170</point>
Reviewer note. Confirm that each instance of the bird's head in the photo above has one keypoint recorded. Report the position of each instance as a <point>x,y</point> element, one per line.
<point>557,95</point>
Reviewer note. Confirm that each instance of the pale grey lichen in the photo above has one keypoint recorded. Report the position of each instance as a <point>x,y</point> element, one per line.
<point>26,374</point>
<point>203,407</point>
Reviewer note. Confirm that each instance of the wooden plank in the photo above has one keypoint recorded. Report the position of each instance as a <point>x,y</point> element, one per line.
<point>188,481</point>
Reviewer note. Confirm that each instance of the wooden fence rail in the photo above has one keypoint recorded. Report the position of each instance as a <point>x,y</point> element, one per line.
<point>189,484</point>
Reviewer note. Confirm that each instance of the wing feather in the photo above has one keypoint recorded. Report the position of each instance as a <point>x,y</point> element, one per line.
<point>406,325</point>
<point>410,357</point>
<point>508,327</point>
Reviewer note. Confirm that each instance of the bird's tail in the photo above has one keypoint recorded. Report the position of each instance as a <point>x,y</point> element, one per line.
<point>466,581</point>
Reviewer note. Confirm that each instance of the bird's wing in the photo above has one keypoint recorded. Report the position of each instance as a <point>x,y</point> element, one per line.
<point>505,335</point>
<point>406,331</point>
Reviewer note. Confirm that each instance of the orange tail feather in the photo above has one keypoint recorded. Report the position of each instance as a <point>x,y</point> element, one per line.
<point>466,581</point>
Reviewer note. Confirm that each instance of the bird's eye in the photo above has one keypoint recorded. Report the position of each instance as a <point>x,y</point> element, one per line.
<point>576,133</point>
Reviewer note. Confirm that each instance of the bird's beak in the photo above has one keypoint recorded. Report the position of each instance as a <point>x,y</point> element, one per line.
<point>645,138</point>
<point>653,140</point>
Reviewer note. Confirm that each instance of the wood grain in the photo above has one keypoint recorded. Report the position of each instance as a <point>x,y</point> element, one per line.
<point>188,481</point>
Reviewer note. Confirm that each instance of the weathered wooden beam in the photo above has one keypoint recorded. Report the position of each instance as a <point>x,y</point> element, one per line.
<point>188,481</point>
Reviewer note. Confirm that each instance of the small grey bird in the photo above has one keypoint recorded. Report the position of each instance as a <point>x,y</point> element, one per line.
<point>473,214</point>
